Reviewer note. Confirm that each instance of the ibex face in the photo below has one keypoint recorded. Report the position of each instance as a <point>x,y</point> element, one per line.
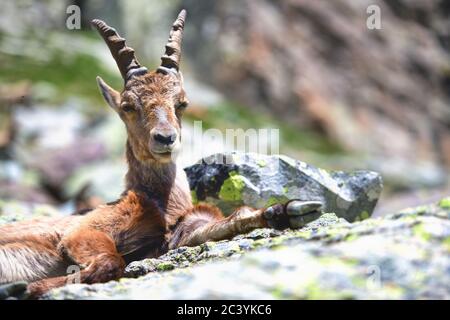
<point>151,103</point>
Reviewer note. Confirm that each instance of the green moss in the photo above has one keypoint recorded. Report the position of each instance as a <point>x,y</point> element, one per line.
<point>44,210</point>
<point>315,291</point>
<point>445,203</point>
<point>419,231</point>
<point>328,260</point>
<point>446,243</point>
<point>262,163</point>
<point>392,291</point>
<point>274,200</point>
<point>278,292</point>
<point>260,243</point>
<point>277,242</point>
<point>70,76</point>
<point>335,234</point>
<point>165,266</point>
<point>351,237</point>
<point>421,210</point>
<point>207,246</point>
<point>231,189</point>
<point>364,215</point>
<point>271,201</point>
<point>303,234</point>
<point>194,197</point>
<point>409,218</point>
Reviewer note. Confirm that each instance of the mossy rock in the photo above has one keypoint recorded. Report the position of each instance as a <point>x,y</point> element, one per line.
<point>230,180</point>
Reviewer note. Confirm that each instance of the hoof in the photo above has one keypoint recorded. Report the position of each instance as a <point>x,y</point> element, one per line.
<point>303,212</point>
<point>301,208</point>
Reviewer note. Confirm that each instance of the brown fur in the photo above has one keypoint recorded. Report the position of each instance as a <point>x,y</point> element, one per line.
<point>154,213</point>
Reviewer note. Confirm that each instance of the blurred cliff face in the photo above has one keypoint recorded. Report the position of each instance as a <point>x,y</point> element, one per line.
<point>315,64</point>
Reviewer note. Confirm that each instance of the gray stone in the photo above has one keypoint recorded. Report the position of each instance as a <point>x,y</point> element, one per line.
<point>233,179</point>
<point>14,211</point>
<point>12,291</point>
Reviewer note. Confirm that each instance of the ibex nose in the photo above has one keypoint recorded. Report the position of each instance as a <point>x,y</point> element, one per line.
<point>166,139</point>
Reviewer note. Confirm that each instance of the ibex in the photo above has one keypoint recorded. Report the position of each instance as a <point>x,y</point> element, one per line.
<point>155,212</point>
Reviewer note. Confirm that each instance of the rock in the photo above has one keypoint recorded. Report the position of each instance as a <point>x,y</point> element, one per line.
<point>69,162</point>
<point>401,256</point>
<point>55,157</point>
<point>13,291</point>
<point>104,179</point>
<point>12,211</point>
<point>23,193</point>
<point>233,179</point>
<point>66,120</point>
<point>19,183</point>
<point>56,166</point>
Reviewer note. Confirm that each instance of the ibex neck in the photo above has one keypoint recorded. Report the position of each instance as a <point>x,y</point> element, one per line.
<point>155,179</point>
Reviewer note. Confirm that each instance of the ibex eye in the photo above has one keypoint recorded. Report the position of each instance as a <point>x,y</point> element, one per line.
<point>182,105</point>
<point>127,108</point>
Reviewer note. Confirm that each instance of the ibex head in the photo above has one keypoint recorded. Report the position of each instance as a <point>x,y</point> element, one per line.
<point>151,103</point>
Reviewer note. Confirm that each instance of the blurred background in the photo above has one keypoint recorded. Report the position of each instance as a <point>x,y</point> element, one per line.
<point>344,97</point>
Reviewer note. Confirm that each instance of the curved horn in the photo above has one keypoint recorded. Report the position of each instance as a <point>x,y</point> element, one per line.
<point>124,56</point>
<point>170,61</point>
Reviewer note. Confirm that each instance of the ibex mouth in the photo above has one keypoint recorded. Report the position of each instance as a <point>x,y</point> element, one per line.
<point>164,157</point>
<point>164,153</point>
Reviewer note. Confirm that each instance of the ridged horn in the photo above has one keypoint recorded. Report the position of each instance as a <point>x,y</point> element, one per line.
<point>124,56</point>
<point>170,61</point>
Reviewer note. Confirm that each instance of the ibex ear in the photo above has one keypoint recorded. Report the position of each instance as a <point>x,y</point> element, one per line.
<point>111,96</point>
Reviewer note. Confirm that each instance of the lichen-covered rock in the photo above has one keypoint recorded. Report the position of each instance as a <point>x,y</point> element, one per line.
<point>234,179</point>
<point>401,256</point>
<point>13,211</point>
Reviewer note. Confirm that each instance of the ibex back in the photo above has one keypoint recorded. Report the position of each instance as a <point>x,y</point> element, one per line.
<point>155,212</point>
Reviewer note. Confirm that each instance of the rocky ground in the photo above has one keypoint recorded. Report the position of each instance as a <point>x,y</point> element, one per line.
<point>401,256</point>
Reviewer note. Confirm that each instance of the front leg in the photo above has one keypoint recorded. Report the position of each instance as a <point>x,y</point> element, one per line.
<point>94,252</point>
<point>197,229</point>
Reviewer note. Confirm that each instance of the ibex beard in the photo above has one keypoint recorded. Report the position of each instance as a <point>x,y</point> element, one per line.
<point>155,213</point>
